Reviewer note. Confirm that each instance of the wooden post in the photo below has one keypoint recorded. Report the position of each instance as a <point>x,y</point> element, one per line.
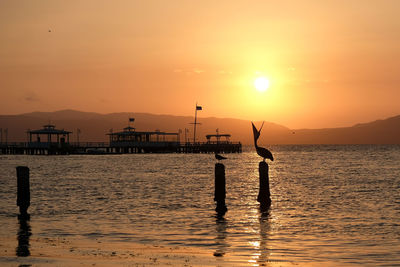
<point>23,191</point>
<point>24,233</point>
<point>264,195</point>
<point>220,191</point>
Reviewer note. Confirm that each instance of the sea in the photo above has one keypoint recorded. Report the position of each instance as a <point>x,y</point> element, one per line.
<point>336,204</point>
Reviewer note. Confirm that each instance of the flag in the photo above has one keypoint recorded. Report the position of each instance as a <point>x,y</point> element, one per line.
<point>199,108</point>
<point>131,119</point>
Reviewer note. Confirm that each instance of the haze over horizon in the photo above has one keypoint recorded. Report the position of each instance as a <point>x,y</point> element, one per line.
<point>94,127</point>
<point>132,114</point>
<point>328,63</point>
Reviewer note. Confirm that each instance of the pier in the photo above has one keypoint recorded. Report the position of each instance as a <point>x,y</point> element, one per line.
<point>23,148</point>
<point>52,141</point>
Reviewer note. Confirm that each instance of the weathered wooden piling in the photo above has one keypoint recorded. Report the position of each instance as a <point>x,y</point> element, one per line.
<point>24,233</point>
<point>264,195</point>
<point>220,191</point>
<point>23,190</point>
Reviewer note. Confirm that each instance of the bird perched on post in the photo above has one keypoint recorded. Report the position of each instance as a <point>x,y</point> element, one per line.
<point>261,151</point>
<point>219,157</point>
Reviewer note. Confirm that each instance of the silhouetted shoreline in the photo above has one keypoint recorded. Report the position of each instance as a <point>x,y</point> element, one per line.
<point>94,126</point>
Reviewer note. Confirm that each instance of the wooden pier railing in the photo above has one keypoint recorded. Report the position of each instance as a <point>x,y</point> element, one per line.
<point>46,148</point>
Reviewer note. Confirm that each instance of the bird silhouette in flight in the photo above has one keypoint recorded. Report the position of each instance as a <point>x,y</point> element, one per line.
<point>219,157</point>
<point>261,151</point>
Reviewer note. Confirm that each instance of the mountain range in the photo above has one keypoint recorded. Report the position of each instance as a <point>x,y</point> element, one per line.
<point>95,126</point>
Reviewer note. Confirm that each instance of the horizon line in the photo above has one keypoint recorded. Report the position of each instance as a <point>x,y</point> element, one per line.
<point>191,116</point>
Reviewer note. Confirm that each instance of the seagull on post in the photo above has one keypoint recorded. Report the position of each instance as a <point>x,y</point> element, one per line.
<point>219,157</point>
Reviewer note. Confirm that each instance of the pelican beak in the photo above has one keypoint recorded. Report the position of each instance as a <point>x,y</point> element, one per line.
<point>261,128</point>
<point>256,133</point>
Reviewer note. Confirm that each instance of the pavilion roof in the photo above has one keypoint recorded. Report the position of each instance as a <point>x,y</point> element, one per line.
<point>141,133</point>
<point>217,135</point>
<point>49,129</point>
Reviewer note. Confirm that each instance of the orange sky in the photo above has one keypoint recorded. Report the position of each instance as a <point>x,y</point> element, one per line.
<point>330,63</point>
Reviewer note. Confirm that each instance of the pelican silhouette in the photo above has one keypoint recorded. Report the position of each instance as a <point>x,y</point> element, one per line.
<point>261,151</point>
<point>219,157</point>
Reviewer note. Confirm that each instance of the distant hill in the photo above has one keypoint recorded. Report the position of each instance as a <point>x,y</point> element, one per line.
<point>377,132</point>
<point>95,126</point>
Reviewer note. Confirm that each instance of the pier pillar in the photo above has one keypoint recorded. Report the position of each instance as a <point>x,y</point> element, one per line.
<point>23,236</point>
<point>264,195</point>
<point>23,190</point>
<point>220,191</point>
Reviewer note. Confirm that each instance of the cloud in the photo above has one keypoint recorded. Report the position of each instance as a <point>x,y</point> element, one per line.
<point>198,71</point>
<point>31,96</point>
<point>189,72</point>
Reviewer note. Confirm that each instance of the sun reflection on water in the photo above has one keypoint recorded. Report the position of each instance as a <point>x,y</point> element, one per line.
<point>327,204</point>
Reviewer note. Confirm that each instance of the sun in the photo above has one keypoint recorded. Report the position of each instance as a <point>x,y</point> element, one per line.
<point>261,84</point>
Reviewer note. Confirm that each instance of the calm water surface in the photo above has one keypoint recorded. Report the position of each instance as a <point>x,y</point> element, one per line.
<point>337,204</point>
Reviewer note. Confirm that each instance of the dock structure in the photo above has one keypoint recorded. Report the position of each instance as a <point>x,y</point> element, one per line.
<point>22,148</point>
<point>13,148</point>
<point>132,141</point>
<point>206,147</point>
<point>45,141</point>
<point>51,141</point>
<point>213,145</point>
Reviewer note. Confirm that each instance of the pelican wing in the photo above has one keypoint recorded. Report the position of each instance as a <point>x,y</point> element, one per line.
<point>265,153</point>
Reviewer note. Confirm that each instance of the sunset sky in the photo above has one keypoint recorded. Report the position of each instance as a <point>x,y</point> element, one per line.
<point>329,63</point>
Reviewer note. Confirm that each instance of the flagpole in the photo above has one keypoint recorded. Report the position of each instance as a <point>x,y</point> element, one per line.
<point>78,131</point>
<point>195,124</point>
<point>195,121</point>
